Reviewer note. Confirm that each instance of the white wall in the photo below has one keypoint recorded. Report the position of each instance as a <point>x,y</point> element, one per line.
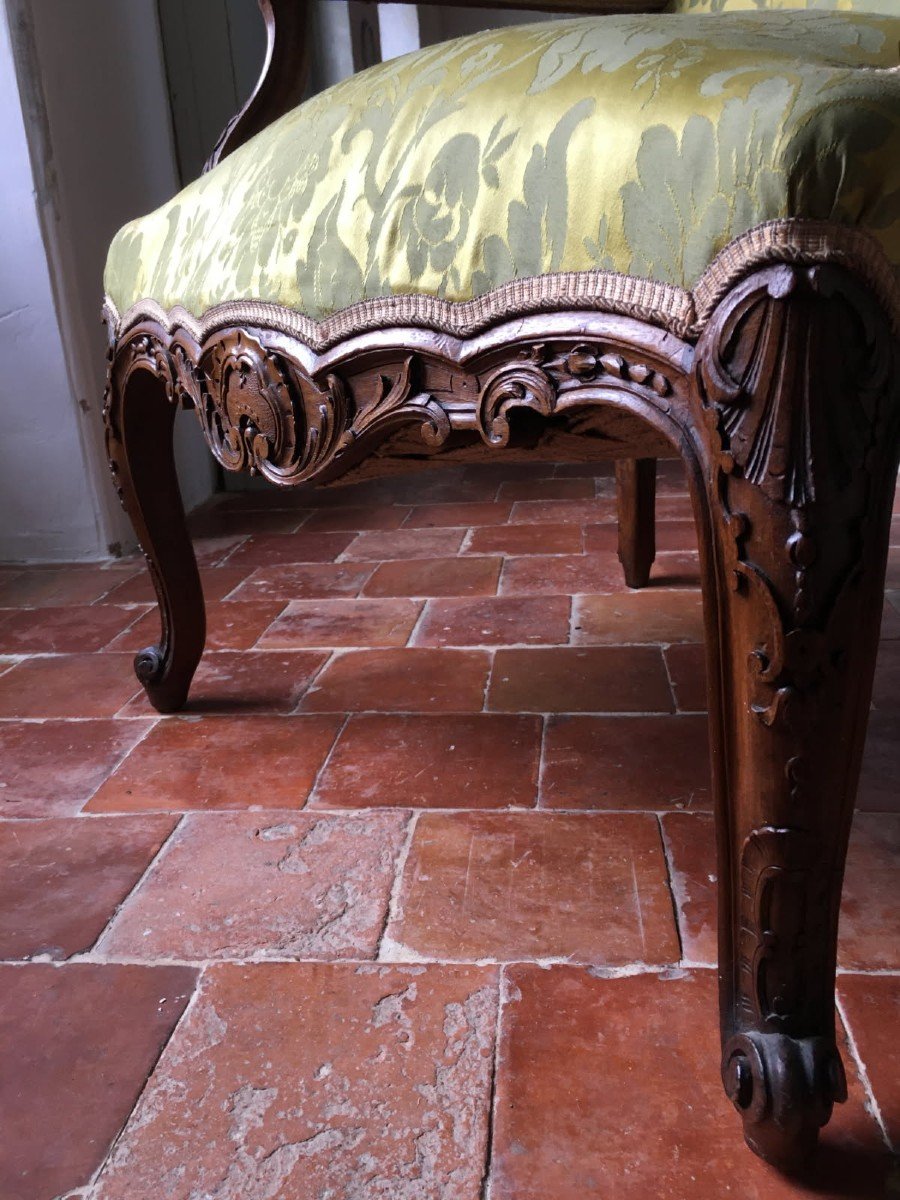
<point>92,101</point>
<point>45,493</point>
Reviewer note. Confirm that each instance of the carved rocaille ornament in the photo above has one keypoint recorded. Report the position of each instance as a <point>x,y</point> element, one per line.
<point>787,414</point>
<point>796,388</point>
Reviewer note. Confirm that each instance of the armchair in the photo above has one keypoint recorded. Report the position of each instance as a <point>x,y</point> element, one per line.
<point>645,234</point>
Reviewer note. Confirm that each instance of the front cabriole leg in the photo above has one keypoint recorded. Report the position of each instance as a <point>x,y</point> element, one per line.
<point>796,421</point>
<point>142,400</point>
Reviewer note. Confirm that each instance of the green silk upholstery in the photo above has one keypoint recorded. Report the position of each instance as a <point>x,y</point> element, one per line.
<point>888,8</point>
<point>635,144</point>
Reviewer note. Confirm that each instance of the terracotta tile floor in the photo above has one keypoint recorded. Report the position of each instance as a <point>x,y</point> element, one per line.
<point>416,900</point>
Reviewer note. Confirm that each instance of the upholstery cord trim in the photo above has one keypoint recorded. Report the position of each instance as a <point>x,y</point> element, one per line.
<point>680,311</point>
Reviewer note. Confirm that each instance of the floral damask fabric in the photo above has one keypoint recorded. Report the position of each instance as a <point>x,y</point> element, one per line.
<point>635,144</point>
<point>889,8</point>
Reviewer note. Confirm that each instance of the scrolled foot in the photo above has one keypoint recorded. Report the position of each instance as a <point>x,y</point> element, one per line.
<point>166,689</point>
<point>784,1088</point>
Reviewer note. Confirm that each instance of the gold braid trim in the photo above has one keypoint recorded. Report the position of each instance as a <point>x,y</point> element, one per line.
<point>676,309</point>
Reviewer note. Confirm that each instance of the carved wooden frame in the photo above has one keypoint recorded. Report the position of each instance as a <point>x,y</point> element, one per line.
<point>786,411</point>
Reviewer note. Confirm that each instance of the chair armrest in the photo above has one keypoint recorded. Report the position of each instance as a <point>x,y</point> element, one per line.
<point>285,72</point>
<point>282,82</point>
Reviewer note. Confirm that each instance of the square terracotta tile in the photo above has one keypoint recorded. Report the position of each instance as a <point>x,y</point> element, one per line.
<point>220,521</point>
<point>217,582</point>
<point>376,545</point>
<point>561,574</point>
<point>51,768</point>
<point>231,625</point>
<point>62,630</point>
<point>409,680</point>
<point>547,489</point>
<point>886,695</point>
<point>638,617</point>
<point>879,789</point>
<point>520,540</point>
<point>334,623</point>
<point>273,885</point>
<point>220,762</point>
<point>245,681</point>
<point>553,512</point>
<point>435,577</point>
<point>870,910</point>
<point>626,762</point>
<point>323,581</point>
<point>75,1063</point>
<point>67,685</point>
<point>356,518</point>
<point>273,549</point>
<point>589,887</point>
<point>869,934</point>
<point>441,516</point>
<point>62,879</point>
<point>871,1008</point>
<point>480,761</point>
<point>579,679</point>
<point>674,508</point>
<point>495,621</point>
<point>57,586</point>
<point>670,535</point>
<point>610,1088</point>
<point>315,1080</point>
<point>687,670</point>
<point>890,621</point>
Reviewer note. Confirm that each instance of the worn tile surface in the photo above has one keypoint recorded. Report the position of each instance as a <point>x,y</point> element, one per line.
<point>432,731</point>
<point>411,680</point>
<point>214,762</point>
<point>278,885</point>
<point>342,623</point>
<point>642,762</point>
<point>590,887</point>
<point>576,679</point>
<point>62,879</point>
<point>51,768</point>
<point>319,1080</point>
<point>77,1044</point>
<point>488,760</point>
<point>610,1087</point>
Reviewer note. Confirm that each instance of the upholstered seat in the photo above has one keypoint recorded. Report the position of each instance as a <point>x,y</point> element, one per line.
<point>640,145</point>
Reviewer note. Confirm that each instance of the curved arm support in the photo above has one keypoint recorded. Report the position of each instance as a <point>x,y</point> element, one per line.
<point>282,81</point>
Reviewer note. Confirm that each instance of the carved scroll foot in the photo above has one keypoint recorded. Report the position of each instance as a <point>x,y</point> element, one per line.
<point>140,414</point>
<point>636,504</point>
<point>797,429</point>
<point>784,1088</point>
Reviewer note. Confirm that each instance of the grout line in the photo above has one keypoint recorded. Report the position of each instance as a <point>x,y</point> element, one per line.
<point>668,671</point>
<point>542,750</point>
<point>486,1178</point>
<point>296,710</point>
<point>126,900</point>
<point>152,722</point>
<point>522,810</point>
<point>391,911</point>
<point>669,863</point>
<point>311,794</point>
<point>417,624</point>
<point>871,1103</point>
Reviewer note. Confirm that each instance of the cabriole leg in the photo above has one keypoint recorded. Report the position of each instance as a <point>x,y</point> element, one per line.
<point>636,503</point>
<point>796,424</point>
<point>140,414</point>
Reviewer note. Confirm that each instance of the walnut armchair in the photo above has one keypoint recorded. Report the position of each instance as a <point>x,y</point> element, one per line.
<point>624,236</point>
